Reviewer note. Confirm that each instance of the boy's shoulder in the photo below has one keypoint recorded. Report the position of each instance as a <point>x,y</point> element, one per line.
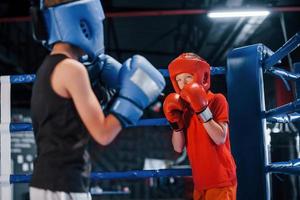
<point>70,67</point>
<point>216,97</point>
<point>219,106</point>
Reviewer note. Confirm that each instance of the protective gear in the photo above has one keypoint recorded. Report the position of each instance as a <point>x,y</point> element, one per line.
<point>104,70</point>
<point>104,74</point>
<point>173,109</point>
<point>193,64</point>
<point>140,85</point>
<point>196,96</point>
<point>110,69</point>
<point>78,23</point>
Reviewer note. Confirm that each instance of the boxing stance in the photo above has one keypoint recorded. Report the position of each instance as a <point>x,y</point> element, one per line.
<point>199,119</point>
<point>66,112</point>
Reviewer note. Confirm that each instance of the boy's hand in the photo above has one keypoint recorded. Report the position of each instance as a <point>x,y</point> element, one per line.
<point>173,110</point>
<point>196,96</point>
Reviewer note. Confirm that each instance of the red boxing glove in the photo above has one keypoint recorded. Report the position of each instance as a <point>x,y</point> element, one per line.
<point>173,109</point>
<point>196,96</point>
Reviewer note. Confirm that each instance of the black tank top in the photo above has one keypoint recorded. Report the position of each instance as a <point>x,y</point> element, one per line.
<point>62,162</point>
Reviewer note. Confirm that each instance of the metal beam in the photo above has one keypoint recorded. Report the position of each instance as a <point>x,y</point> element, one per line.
<point>152,13</point>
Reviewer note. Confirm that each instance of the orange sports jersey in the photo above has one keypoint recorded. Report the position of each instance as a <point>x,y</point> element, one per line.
<point>212,165</point>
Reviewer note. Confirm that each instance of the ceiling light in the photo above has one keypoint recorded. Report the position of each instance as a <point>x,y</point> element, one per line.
<point>238,13</point>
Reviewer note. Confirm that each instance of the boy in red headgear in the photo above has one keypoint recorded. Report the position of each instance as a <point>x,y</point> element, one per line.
<point>199,119</point>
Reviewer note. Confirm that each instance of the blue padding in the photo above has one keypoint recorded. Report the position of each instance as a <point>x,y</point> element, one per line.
<point>288,47</point>
<point>247,126</point>
<point>291,167</point>
<point>285,109</point>
<point>136,174</point>
<point>25,78</point>
<point>17,127</point>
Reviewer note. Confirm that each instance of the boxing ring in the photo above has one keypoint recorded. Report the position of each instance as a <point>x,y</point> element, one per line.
<point>248,118</point>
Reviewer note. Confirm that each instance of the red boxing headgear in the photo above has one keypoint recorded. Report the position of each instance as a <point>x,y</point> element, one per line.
<point>192,64</point>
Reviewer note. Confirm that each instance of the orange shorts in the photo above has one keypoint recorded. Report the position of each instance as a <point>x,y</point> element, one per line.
<point>224,193</point>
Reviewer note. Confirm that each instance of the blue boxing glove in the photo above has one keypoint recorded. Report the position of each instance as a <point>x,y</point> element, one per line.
<point>140,85</point>
<point>109,71</point>
<point>104,75</point>
<point>105,69</point>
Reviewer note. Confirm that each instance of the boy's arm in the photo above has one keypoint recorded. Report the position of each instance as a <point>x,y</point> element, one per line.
<point>74,79</point>
<point>216,131</point>
<point>178,141</point>
<point>173,110</point>
<point>215,126</point>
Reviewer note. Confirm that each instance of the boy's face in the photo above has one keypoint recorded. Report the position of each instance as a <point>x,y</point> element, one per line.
<point>184,78</point>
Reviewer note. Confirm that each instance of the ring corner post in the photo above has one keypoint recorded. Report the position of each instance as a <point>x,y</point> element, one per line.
<point>247,123</point>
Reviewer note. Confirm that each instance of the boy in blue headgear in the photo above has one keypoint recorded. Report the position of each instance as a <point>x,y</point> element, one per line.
<point>65,110</point>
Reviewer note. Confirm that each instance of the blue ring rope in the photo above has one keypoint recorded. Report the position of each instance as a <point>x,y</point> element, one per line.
<point>17,127</point>
<point>291,167</point>
<point>28,78</point>
<point>135,174</point>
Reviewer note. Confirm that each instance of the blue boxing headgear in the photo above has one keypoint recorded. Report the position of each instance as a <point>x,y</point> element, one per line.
<point>78,23</point>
